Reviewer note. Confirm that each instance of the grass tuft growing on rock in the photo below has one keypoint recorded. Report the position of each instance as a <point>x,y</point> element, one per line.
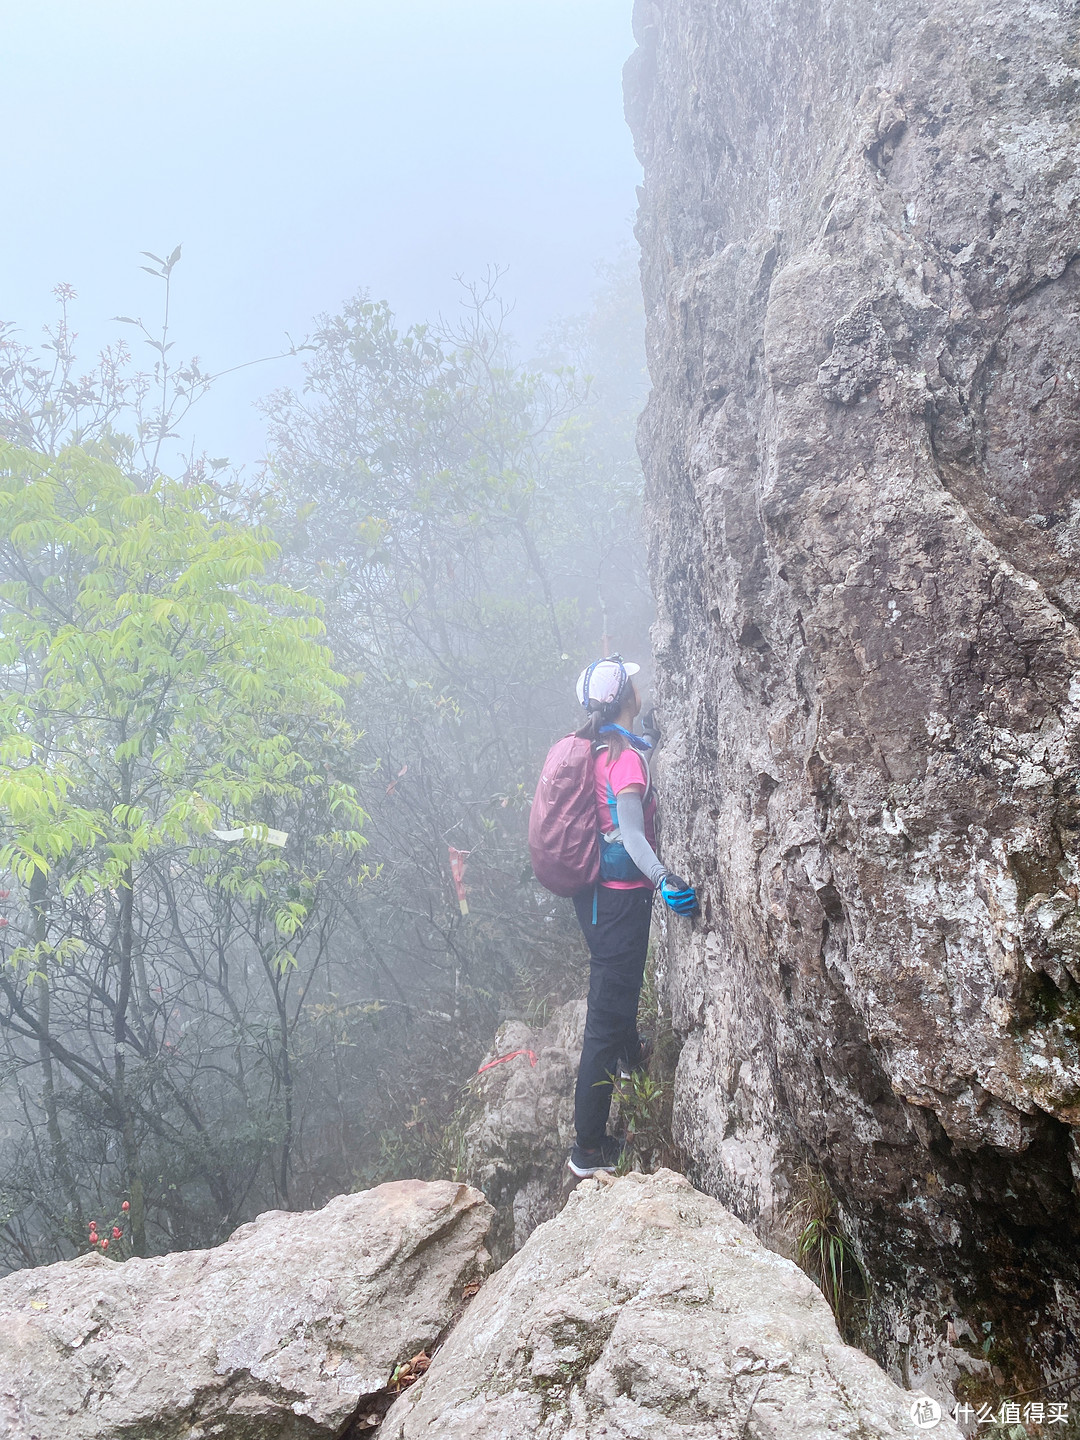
<point>822,1248</point>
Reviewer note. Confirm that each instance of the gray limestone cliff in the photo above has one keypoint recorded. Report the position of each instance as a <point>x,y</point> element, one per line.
<point>861,224</point>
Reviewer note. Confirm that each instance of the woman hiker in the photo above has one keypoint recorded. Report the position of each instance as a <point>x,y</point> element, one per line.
<point>615,913</point>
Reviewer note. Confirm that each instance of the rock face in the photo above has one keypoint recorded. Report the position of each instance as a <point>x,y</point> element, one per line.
<point>516,1148</point>
<point>647,1309</point>
<point>278,1334</point>
<point>861,224</point>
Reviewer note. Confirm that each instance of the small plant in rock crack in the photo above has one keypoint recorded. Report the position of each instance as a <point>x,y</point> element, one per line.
<point>645,1101</point>
<point>409,1372</point>
<point>643,1115</point>
<point>821,1247</point>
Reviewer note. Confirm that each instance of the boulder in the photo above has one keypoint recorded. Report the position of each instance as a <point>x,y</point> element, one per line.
<point>517,1144</point>
<point>646,1311</point>
<point>281,1333</point>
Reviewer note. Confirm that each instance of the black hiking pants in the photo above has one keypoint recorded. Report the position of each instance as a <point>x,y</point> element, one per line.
<point>618,943</point>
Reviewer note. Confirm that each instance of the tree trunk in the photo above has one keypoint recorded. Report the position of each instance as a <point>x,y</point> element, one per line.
<point>125,1119</point>
<point>287,1088</point>
<point>64,1177</point>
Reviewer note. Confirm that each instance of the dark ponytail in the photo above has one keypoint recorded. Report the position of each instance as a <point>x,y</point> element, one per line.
<point>613,741</point>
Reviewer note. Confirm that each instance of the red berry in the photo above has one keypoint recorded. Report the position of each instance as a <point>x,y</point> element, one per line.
<point>93,1227</point>
<point>104,1244</point>
<point>116,1233</point>
<point>3,922</point>
<point>126,1205</point>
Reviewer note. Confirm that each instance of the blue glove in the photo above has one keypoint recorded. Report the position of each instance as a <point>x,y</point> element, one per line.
<point>679,896</point>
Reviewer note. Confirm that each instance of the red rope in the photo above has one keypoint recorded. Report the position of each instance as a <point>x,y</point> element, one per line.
<point>502,1059</point>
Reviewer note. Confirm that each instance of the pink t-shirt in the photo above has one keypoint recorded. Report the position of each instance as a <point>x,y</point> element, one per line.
<point>629,769</point>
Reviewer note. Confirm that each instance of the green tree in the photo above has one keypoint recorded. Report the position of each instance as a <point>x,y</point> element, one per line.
<point>159,688</point>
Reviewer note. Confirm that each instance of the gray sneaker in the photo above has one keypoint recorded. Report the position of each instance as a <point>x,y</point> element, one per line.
<point>605,1160</point>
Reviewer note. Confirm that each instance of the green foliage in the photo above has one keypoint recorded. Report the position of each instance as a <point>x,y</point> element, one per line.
<point>427,1144</point>
<point>821,1247</point>
<point>157,672</point>
<point>50,398</point>
<point>640,1101</point>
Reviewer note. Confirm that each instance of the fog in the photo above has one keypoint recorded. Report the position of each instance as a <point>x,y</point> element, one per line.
<point>300,152</point>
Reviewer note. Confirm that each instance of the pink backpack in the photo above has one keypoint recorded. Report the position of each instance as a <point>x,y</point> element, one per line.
<point>563,830</point>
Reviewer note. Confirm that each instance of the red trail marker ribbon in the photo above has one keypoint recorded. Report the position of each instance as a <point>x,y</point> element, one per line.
<point>457,870</point>
<point>502,1059</point>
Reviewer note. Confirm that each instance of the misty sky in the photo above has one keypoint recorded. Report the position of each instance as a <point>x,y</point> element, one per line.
<point>300,151</point>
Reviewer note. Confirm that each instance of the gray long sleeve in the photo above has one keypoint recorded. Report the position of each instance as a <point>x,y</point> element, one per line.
<point>631,816</point>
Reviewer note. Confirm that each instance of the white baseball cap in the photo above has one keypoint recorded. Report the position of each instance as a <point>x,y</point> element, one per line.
<point>607,680</point>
